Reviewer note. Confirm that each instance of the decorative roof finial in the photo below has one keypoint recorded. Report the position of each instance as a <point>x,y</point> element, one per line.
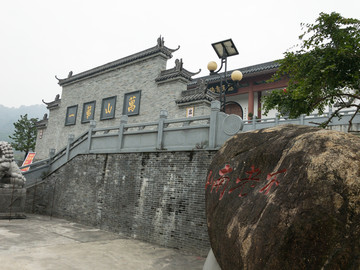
<point>202,85</point>
<point>178,64</point>
<point>57,98</point>
<point>69,76</point>
<point>160,41</point>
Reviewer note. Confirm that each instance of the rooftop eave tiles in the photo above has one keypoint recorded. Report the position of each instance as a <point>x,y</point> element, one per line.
<point>115,64</point>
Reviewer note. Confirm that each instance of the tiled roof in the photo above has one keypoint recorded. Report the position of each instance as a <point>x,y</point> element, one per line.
<point>42,123</point>
<point>250,70</point>
<point>158,49</point>
<point>176,72</point>
<point>196,95</point>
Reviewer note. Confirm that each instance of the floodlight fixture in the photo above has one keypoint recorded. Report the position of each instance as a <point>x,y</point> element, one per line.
<point>225,48</point>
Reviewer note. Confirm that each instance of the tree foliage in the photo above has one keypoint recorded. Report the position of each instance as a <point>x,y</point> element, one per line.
<point>324,70</point>
<point>24,136</point>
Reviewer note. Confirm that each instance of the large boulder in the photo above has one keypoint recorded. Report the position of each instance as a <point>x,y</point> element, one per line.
<point>285,198</point>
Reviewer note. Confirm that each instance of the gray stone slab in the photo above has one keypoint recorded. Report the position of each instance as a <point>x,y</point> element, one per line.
<point>41,242</point>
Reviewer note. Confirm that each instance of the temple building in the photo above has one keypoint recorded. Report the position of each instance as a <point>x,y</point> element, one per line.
<point>140,86</point>
<point>245,101</point>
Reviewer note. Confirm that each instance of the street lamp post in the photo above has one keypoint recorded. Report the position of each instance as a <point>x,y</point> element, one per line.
<point>224,49</point>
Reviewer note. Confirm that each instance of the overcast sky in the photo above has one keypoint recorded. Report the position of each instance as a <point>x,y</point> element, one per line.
<point>44,38</point>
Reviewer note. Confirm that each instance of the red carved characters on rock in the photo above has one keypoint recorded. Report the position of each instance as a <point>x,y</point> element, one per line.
<point>224,178</point>
<point>274,180</point>
<point>250,181</point>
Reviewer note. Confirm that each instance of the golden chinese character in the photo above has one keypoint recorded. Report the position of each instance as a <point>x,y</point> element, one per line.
<point>88,111</point>
<point>71,115</point>
<point>108,109</point>
<point>131,106</point>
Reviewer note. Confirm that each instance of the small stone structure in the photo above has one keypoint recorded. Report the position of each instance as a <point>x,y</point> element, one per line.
<point>12,193</point>
<point>285,198</point>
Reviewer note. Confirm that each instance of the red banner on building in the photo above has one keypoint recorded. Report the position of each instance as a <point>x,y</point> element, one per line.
<point>28,160</point>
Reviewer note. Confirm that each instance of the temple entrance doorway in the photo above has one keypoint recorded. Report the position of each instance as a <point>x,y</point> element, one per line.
<point>234,108</point>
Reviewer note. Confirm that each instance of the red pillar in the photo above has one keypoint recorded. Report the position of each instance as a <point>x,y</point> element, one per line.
<point>251,104</point>
<point>259,105</point>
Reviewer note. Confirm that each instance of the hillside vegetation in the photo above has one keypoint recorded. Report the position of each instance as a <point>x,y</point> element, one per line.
<point>8,116</point>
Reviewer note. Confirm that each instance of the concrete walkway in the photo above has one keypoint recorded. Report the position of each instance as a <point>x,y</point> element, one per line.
<point>39,242</point>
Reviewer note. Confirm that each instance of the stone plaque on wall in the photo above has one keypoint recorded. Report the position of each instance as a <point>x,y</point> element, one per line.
<point>71,113</point>
<point>108,108</point>
<point>190,112</point>
<point>132,103</point>
<point>88,112</point>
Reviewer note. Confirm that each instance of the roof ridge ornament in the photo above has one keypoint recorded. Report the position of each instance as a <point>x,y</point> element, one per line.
<point>176,72</point>
<point>179,67</point>
<point>59,79</point>
<point>69,76</point>
<point>203,85</point>
<point>57,99</point>
<point>178,64</point>
<point>194,73</point>
<point>161,42</point>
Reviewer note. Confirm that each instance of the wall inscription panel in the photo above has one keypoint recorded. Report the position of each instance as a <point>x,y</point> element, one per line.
<point>71,113</point>
<point>88,112</point>
<point>132,103</point>
<point>108,108</point>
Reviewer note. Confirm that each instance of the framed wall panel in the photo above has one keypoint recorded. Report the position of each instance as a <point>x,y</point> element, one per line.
<point>71,113</point>
<point>132,103</point>
<point>108,108</point>
<point>88,112</point>
<point>190,112</point>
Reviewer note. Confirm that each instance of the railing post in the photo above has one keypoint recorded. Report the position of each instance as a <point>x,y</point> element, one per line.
<point>163,116</point>
<point>215,109</point>
<point>254,122</point>
<point>51,156</point>
<point>70,140</point>
<point>123,121</point>
<point>92,126</point>
<point>51,153</point>
<point>301,119</point>
<point>276,119</point>
<point>330,111</point>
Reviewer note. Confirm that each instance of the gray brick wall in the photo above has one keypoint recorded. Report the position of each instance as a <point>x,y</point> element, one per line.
<point>136,76</point>
<point>154,197</point>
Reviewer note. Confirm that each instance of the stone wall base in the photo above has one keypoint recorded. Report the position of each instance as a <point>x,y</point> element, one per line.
<point>153,197</point>
<point>12,203</point>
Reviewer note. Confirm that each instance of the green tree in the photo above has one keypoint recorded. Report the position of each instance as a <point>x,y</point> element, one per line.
<point>323,71</point>
<point>24,136</point>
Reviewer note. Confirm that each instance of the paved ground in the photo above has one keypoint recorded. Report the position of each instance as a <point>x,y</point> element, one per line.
<point>39,242</point>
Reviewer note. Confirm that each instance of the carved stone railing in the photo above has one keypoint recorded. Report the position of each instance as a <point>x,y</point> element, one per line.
<point>310,120</point>
<point>207,132</point>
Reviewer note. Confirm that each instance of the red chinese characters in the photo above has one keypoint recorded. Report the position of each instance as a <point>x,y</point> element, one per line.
<point>243,184</point>
<point>223,180</point>
<point>252,180</point>
<point>272,178</point>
